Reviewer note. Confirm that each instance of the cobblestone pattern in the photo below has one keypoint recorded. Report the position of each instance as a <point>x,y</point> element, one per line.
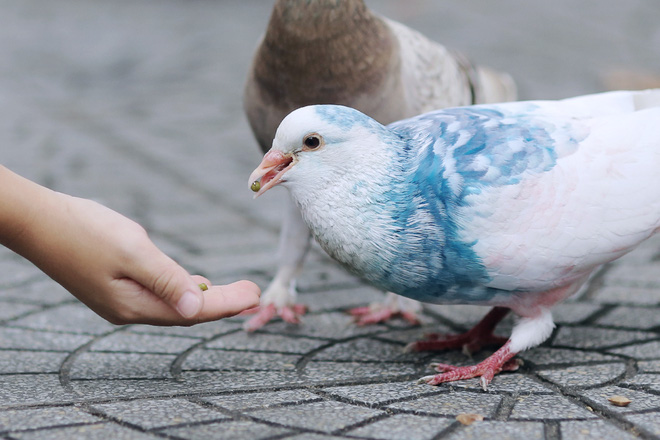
<point>137,104</point>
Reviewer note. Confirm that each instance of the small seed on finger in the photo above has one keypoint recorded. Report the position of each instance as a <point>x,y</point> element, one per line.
<point>203,286</point>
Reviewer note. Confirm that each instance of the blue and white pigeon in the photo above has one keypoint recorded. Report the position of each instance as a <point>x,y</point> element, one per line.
<point>339,52</point>
<point>511,205</point>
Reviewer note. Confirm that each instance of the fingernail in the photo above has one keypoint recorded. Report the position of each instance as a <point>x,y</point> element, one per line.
<point>189,304</point>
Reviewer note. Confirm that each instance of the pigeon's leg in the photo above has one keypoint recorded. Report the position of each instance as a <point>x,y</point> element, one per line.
<point>280,296</point>
<point>473,340</point>
<point>394,306</point>
<point>528,332</point>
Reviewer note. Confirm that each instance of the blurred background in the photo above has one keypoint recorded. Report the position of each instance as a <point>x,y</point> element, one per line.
<point>90,88</point>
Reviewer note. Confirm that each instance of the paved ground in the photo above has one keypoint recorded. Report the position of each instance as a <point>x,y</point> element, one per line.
<point>137,104</point>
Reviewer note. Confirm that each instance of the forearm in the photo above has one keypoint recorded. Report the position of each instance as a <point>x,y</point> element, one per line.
<point>107,260</point>
<point>21,202</point>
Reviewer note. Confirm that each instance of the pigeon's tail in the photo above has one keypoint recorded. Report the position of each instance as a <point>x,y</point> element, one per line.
<point>494,86</point>
<point>646,99</point>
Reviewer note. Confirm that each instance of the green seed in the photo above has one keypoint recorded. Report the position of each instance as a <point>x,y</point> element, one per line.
<point>256,186</point>
<point>203,286</point>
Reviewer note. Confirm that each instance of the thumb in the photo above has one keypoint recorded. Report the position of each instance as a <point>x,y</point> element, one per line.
<point>171,283</point>
<point>176,288</point>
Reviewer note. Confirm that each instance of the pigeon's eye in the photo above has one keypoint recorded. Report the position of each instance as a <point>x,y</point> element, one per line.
<point>312,142</point>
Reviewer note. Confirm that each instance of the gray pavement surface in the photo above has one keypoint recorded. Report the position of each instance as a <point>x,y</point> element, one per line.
<point>137,104</point>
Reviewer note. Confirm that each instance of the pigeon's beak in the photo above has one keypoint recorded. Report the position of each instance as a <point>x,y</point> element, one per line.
<point>270,171</point>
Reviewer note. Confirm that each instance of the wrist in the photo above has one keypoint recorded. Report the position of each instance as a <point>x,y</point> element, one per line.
<point>22,203</point>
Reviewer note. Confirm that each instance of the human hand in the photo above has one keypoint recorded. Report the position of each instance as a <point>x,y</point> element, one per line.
<point>109,263</point>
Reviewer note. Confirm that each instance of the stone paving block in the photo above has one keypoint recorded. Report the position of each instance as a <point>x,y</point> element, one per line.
<point>13,361</point>
<point>645,350</point>
<point>143,343</point>
<point>627,295</point>
<point>70,318</point>
<point>37,418</point>
<point>17,272</point>
<point>241,402</point>
<point>221,236</point>
<point>646,252</point>
<point>32,389</point>
<point>584,375</point>
<point>643,318</point>
<point>218,264</point>
<point>643,275</point>
<point>338,298</point>
<point>150,414</point>
<point>239,361</point>
<point>229,430</point>
<point>317,416</point>
<point>94,365</point>
<point>365,349</point>
<point>189,383</point>
<point>333,279</point>
<point>544,407</point>
<point>204,330</point>
<point>649,422</point>
<point>400,426</point>
<point>101,431</point>
<point>17,338</point>
<point>573,312</point>
<point>380,393</point>
<point>588,337</point>
<point>451,404</point>
<point>11,310</point>
<point>592,429</point>
<point>541,356</point>
<point>641,401</point>
<point>322,372</point>
<point>312,436</point>
<point>326,326</point>
<point>259,341</point>
<point>648,366</point>
<point>41,290</point>
<point>498,430</point>
<point>407,336</point>
<point>644,380</point>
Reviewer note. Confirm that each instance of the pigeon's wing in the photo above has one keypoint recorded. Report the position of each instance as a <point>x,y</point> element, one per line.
<point>431,75</point>
<point>543,192</point>
<point>595,200</point>
<point>434,76</point>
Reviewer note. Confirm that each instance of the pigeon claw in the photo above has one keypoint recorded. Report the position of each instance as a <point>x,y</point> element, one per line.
<point>501,360</point>
<point>264,314</point>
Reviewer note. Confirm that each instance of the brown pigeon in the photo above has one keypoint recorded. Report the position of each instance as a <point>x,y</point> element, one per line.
<point>340,52</point>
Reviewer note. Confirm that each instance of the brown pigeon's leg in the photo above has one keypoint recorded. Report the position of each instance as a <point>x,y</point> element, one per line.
<point>394,306</point>
<point>279,298</point>
<point>264,314</point>
<point>473,340</point>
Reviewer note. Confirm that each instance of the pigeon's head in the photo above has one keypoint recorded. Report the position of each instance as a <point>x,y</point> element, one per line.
<point>318,144</point>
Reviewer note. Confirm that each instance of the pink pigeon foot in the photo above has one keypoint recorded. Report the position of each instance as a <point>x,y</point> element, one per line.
<point>368,315</point>
<point>394,306</point>
<point>499,361</point>
<point>479,336</point>
<point>264,314</point>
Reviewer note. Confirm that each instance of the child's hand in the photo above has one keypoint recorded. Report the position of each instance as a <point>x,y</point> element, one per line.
<point>109,263</point>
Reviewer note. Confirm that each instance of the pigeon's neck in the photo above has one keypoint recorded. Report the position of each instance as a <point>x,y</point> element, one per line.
<point>323,51</point>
